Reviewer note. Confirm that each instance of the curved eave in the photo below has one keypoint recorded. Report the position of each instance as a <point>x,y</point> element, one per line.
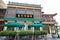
<point>49,14</point>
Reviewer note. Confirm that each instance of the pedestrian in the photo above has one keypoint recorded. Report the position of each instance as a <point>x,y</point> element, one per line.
<point>49,36</point>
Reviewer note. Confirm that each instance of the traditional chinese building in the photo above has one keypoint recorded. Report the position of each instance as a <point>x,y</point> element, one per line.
<point>28,14</point>
<point>49,20</point>
<point>2,13</point>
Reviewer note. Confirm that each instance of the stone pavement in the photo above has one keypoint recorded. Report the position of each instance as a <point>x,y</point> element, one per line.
<point>53,39</point>
<point>2,38</point>
<point>49,37</point>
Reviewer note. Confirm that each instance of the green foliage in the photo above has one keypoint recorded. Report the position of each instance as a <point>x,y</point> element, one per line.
<point>8,32</point>
<point>22,32</point>
<point>37,32</point>
<point>43,32</point>
<point>29,32</point>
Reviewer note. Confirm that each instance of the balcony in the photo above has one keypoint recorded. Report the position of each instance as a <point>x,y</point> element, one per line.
<point>49,22</point>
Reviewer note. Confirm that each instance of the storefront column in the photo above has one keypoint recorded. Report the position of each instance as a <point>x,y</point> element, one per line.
<point>54,29</point>
<point>41,28</point>
<point>25,28</point>
<point>32,28</point>
<point>22,28</point>
<point>50,29</point>
<point>5,27</point>
<point>16,29</point>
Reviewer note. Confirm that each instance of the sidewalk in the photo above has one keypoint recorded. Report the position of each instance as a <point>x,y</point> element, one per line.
<point>49,37</point>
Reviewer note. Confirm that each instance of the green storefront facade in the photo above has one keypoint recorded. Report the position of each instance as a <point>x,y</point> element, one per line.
<point>28,16</point>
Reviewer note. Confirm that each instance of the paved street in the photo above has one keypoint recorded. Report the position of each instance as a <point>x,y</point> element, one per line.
<point>53,39</point>
<point>2,38</point>
<point>48,38</point>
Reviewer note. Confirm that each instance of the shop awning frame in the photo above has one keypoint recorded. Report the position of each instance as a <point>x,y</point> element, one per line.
<point>37,25</point>
<point>14,24</point>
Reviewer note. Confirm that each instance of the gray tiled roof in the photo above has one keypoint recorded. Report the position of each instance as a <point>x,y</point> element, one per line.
<point>24,4</point>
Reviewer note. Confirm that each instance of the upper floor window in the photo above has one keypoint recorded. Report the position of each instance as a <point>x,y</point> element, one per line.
<point>50,16</point>
<point>11,12</point>
<point>37,11</point>
<point>29,11</point>
<point>20,11</point>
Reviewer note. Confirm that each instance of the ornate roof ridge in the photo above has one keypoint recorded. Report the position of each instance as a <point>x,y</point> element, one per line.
<point>51,14</point>
<point>24,4</point>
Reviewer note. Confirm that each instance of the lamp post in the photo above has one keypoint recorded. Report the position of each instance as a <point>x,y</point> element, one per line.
<point>56,28</point>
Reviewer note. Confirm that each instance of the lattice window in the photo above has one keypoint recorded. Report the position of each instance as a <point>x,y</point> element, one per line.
<point>29,11</point>
<point>37,13</point>
<point>20,11</point>
<point>11,12</point>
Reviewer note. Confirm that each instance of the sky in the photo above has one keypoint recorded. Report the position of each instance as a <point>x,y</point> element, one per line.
<point>49,6</point>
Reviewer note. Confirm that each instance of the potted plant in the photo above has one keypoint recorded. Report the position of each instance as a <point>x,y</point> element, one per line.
<point>43,32</point>
<point>29,32</point>
<point>7,33</point>
<point>39,34</point>
<point>21,33</point>
<point>25,34</point>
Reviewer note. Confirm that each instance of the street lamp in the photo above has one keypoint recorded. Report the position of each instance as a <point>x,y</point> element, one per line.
<point>56,28</point>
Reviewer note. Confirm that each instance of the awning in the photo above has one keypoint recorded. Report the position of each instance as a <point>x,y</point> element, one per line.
<point>14,24</point>
<point>24,19</point>
<point>37,25</point>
